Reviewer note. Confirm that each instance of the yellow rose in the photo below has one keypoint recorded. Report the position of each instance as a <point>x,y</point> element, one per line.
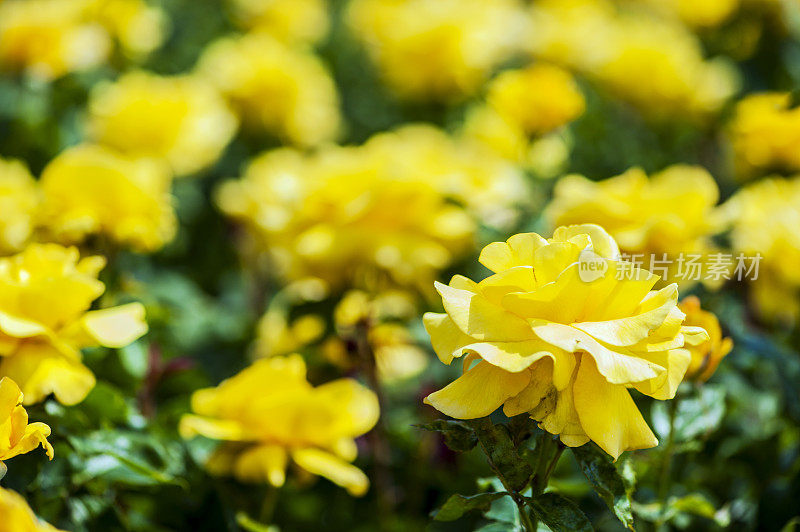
<point>181,119</point>
<point>707,355</point>
<point>672,212</point>
<point>50,38</point>
<point>764,217</point>
<point>19,199</point>
<point>538,98</point>
<point>285,91</point>
<point>45,295</point>
<point>17,436</point>
<point>291,21</point>
<point>765,133</point>
<point>437,49</point>
<point>93,190</point>
<point>269,413</point>
<point>561,331</point>
<point>654,63</point>
<point>17,515</point>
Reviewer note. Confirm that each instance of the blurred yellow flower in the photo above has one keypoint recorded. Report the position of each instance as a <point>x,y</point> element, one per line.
<point>697,13</point>
<point>181,119</point>
<point>291,21</point>
<point>654,63</point>
<point>437,49</point>
<point>17,436</point>
<point>19,199</point>
<point>538,98</point>
<point>45,295</point>
<point>381,214</point>
<point>765,133</point>
<point>269,413</point>
<point>765,217</point>
<point>706,355</point>
<point>672,212</point>
<point>94,190</point>
<point>50,38</point>
<point>557,332</point>
<point>285,91</point>
<point>17,515</point>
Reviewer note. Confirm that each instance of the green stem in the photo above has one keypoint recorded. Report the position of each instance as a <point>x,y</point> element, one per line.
<point>666,459</point>
<point>527,523</point>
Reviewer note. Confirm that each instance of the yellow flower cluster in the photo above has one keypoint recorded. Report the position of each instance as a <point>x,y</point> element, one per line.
<point>93,190</point>
<point>524,103</point>
<point>765,217</point>
<point>282,90</point>
<point>291,21</point>
<point>383,211</point>
<point>19,200</point>
<point>45,295</point>
<point>765,133</point>
<point>546,336</point>
<point>50,38</point>
<point>671,212</point>
<point>697,13</point>
<point>437,49</point>
<point>18,516</point>
<point>17,436</point>
<point>181,119</point>
<point>269,413</point>
<point>707,355</point>
<point>655,64</point>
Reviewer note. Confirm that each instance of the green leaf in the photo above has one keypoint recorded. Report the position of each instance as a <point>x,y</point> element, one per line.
<point>504,458</point>
<point>458,505</point>
<point>606,480</point>
<point>458,436</point>
<point>559,513</point>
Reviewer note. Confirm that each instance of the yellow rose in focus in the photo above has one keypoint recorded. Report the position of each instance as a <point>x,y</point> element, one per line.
<point>672,212</point>
<point>19,199</point>
<point>707,355</point>
<point>45,295</point>
<point>562,330</point>
<point>538,98</point>
<point>764,217</point>
<point>437,49</point>
<point>181,119</point>
<point>93,190</point>
<point>765,134</point>
<point>269,413</point>
<point>17,436</point>
<point>285,91</point>
<point>18,516</point>
<point>291,21</point>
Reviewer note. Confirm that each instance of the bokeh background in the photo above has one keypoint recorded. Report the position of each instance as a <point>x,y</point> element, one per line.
<point>318,164</point>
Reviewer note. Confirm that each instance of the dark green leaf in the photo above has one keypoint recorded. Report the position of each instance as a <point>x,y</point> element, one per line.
<point>458,505</point>
<point>503,457</point>
<point>458,436</point>
<point>606,481</point>
<point>559,513</point>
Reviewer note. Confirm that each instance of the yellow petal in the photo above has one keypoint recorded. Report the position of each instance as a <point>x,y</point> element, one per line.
<point>20,327</point>
<point>333,468</point>
<point>516,251</point>
<point>607,413</point>
<point>117,326</point>
<point>633,329</point>
<point>676,362</point>
<point>216,429</point>
<point>478,392</point>
<point>602,243</point>
<point>446,337</point>
<point>262,463</point>
<point>10,397</point>
<point>476,316</point>
<point>617,366</point>
<point>518,356</point>
<point>35,434</point>
<point>540,385</point>
<point>41,370</point>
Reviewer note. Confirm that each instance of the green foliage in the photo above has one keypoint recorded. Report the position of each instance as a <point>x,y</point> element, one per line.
<point>458,505</point>
<point>610,485</point>
<point>559,513</point>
